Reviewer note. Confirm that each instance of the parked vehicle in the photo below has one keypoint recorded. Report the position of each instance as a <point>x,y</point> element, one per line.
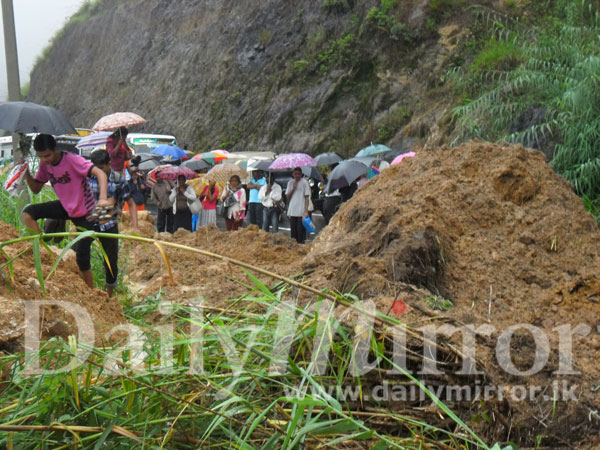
<point>145,143</point>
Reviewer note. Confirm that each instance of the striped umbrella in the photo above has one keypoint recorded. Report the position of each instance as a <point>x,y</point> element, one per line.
<point>118,119</point>
<point>94,140</point>
<point>211,157</point>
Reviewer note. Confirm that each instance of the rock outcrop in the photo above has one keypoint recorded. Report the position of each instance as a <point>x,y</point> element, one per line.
<point>273,75</point>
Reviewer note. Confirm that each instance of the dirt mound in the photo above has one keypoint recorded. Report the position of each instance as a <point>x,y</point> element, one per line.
<point>201,276</point>
<point>65,285</point>
<point>493,230</point>
<point>471,222</point>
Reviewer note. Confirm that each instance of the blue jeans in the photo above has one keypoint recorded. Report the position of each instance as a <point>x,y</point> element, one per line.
<point>270,217</point>
<point>195,218</point>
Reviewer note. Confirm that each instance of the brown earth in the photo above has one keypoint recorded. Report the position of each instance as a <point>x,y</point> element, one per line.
<point>492,229</point>
<point>497,232</point>
<point>66,285</point>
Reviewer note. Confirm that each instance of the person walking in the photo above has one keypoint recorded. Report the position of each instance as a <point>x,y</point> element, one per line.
<point>69,175</point>
<point>210,195</point>
<point>115,192</point>
<point>179,196</point>
<point>234,200</point>
<point>270,196</point>
<point>160,195</point>
<point>298,195</point>
<point>255,206</point>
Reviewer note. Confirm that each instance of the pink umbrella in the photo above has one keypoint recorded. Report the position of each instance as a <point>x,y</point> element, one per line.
<point>116,120</point>
<point>291,160</point>
<point>173,172</point>
<point>399,158</point>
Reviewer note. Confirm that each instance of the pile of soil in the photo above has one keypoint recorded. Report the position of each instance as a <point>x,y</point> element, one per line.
<point>66,285</point>
<point>199,276</point>
<point>494,230</point>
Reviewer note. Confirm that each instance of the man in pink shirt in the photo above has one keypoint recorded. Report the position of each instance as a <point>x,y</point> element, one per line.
<point>69,176</point>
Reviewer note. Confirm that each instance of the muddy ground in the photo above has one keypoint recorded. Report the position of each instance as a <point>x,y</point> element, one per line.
<point>475,235</point>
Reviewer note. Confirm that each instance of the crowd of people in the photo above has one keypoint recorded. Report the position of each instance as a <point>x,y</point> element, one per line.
<point>92,193</point>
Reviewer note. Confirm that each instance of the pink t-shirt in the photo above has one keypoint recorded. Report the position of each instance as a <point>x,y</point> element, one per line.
<point>69,178</point>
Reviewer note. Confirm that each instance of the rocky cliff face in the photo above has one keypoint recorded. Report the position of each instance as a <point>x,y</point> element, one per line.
<point>310,75</point>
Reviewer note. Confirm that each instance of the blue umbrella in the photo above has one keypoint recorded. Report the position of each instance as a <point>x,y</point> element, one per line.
<point>170,151</point>
<point>373,149</point>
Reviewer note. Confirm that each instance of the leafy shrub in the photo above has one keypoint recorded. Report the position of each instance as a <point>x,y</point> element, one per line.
<point>556,72</point>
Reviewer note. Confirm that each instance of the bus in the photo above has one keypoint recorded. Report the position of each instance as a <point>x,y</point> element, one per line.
<point>145,143</point>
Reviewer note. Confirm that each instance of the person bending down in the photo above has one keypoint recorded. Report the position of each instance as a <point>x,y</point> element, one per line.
<point>69,176</point>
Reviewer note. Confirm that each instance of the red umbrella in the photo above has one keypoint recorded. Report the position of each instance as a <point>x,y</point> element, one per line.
<point>173,172</point>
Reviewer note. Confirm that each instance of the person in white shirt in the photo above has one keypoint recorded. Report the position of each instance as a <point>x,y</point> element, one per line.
<point>270,196</point>
<point>298,195</point>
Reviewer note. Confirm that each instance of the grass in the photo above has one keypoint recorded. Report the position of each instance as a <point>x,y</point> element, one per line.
<point>245,393</point>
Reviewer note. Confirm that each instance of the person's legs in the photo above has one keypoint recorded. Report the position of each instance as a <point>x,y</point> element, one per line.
<point>111,248</point>
<point>82,251</point>
<point>229,224</point>
<point>236,225</point>
<point>266,221</point>
<point>274,215</point>
<point>161,220</point>
<point>252,211</point>
<point>259,214</point>
<point>301,231</point>
<point>133,215</point>
<point>170,221</point>
<point>49,210</point>
<point>294,228</point>
<point>195,219</point>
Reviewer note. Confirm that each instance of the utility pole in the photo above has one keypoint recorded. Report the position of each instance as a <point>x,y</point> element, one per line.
<point>10,50</point>
<point>12,59</point>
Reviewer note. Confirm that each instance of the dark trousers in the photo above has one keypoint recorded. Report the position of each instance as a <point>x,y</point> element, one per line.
<point>255,211</point>
<point>297,230</point>
<point>165,220</point>
<point>330,207</point>
<point>183,219</point>
<point>55,210</point>
<point>232,224</point>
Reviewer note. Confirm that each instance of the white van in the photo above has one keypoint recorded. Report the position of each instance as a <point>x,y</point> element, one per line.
<point>145,143</point>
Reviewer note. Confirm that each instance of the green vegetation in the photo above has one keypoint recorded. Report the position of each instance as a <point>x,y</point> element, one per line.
<point>392,123</point>
<point>382,18</point>
<point>536,83</point>
<point>203,376</point>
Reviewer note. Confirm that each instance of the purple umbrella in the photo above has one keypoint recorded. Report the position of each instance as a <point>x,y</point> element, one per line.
<point>172,172</point>
<point>291,160</point>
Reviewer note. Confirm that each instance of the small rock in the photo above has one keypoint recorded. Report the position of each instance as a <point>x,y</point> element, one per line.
<point>554,308</point>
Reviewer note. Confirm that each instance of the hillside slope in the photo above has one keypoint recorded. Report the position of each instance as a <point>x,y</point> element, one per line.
<point>270,75</point>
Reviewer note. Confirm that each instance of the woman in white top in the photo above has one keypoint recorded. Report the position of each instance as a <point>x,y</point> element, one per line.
<point>179,196</point>
<point>234,199</point>
<point>270,196</point>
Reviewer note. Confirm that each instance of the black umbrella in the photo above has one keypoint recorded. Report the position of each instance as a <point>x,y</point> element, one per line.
<point>27,117</point>
<point>262,164</point>
<point>346,173</point>
<point>196,164</point>
<point>327,159</point>
<point>148,164</point>
<point>312,172</point>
